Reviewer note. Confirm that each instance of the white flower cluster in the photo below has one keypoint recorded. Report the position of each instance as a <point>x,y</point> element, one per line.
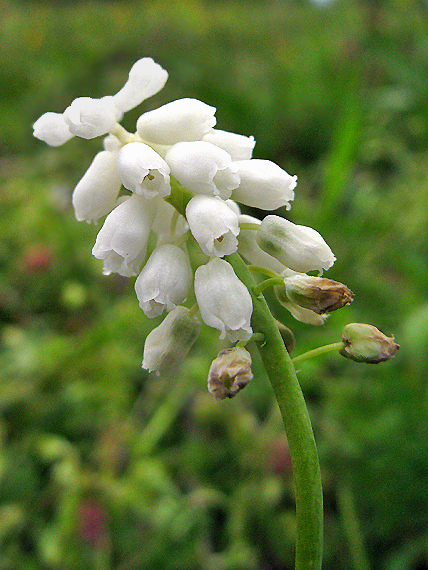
<point>178,143</point>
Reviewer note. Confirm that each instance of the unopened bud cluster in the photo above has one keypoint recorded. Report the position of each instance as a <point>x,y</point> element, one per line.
<point>131,183</point>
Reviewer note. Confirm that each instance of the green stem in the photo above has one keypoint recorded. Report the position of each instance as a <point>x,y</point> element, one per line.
<point>352,527</point>
<point>304,457</point>
<point>256,337</point>
<point>268,283</point>
<point>249,226</point>
<point>263,271</point>
<point>336,346</point>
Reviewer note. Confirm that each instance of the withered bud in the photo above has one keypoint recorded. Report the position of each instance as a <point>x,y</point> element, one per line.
<point>365,343</point>
<point>317,293</point>
<point>229,373</point>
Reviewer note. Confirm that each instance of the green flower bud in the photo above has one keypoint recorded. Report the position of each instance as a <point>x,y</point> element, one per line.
<point>317,294</point>
<point>169,343</point>
<point>365,343</point>
<point>229,373</point>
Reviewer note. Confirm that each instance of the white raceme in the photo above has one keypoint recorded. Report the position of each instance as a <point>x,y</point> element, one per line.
<point>143,171</point>
<point>203,168</point>
<point>97,192</point>
<point>213,224</point>
<point>223,300</point>
<point>122,241</point>
<point>164,281</point>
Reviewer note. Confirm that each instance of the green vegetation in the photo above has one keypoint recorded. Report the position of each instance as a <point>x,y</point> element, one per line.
<point>104,466</point>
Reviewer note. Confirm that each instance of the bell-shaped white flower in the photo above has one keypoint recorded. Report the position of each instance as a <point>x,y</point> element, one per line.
<point>250,249</point>
<point>122,241</point>
<point>164,281</point>
<point>52,129</point>
<point>168,344</point>
<point>224,301</point>
<point>180,120</point>
<point>89,118</point>
<point>238,146</point>
<point>203,168</point>
<point>145,79</point>
<point>143,171</point>
<point>213,224</point>
<point>300,248</point>
<point>97,192</point>
<point>264,185</point>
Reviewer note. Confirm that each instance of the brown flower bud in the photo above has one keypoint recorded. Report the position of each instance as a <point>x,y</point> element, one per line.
<point>365,343</point>
<point>317,294</point>
<point>229,373</point>
<point>287,336</point>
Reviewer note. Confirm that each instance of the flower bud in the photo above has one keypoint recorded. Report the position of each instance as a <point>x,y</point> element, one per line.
<point>203,168</point>
<point>89,118</point>
<point>249,248</point>
<point>143,171</point>
<point>52,129</point>
<point>299,313</point>
<point>317,293</point>
<point>146,78</point>
<point>169,343</point>
<point>365,343</point>
<point>229,373</point>
<point>300,248</point>
<point>224,301</point>
<point>287,336</point>
<point>213,224</point>
<point>180,120</point>
<point>263,185</point>
<point>97,192</point>
<point>238,146</point>
<point>164,281</point>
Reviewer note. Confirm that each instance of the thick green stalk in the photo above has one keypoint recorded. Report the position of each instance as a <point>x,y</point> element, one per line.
<point>304,457</point>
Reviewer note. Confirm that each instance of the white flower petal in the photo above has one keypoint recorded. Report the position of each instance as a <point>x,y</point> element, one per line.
<point>146,78</point>
<point>250,249</point>
<point>143,171</point>
<point>203,168</point>
<point>181,120</point>
<point>89,118</point>
<point>239,147</point>
<point>52,129</point>
<point>264,185</point>
<point>164,281</point>
<point>122,241</point>
<point>213,224</point>
<point>224,301</point>
<point>300,248</point>
<point>97,192</point>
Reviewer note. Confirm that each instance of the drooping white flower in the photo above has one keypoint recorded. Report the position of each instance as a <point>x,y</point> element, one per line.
<point>250,249</point>
<point>233,206</point>
<point>298,247</point>
<point>52,129</point>
<point>89,118</point>
<point>180,120</point>
<point>122,241</point>
<point>143,171</point>
<point>213,224</point>
<point>238,146</point>
<point>224,301</point>
<point>164,281</point>
<point>146,78</point>
<point>263,185</point>
<point>168,344</point>
<point>96,193</point>
<point>203,168</point>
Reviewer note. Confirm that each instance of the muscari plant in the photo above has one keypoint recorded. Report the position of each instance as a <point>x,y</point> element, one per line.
<point>175,180</point>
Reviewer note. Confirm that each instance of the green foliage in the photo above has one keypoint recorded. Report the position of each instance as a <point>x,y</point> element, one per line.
<point>104,466</point>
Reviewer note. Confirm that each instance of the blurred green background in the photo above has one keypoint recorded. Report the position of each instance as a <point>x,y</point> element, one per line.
<point>103,466</point>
